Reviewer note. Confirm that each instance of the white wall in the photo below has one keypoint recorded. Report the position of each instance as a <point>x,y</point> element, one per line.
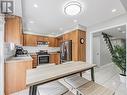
<point>98,27</point>
<point>18,7</point>
<point>101,54</point>
<point>96,50</point>
<point>1,56</point>
<point>105,56</point>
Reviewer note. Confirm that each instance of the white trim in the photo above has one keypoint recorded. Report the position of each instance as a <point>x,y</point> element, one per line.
<point>81,27</point>
<point>91,42</point>
<point>108,27</point>
<point>2,55</point>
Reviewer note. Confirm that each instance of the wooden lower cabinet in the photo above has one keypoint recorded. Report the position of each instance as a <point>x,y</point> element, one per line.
<point>35,61</point>
<point>15,76</point>
<point>55,58</point>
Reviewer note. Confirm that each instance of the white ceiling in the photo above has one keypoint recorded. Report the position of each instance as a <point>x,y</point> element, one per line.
<point>115,32</point>
<point>48,18</point>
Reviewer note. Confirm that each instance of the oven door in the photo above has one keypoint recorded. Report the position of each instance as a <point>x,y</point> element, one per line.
<point>43,59</point>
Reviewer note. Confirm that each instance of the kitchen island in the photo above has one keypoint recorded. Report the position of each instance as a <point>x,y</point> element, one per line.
<point>15,73</point>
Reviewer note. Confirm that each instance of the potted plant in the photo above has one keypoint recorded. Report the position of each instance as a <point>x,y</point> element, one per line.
<point>119,58</point>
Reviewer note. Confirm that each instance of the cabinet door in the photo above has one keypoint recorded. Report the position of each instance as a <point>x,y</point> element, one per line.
<point>34,63</point>
<point>13,30</point>
<point>59,41</point>
<point>30,40</point>
<point>40,38</point>
<point>52,42</point>
<point>15,76</point>
<point>55,58</point>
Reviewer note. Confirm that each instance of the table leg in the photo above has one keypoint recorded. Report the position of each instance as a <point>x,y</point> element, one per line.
<point>92,74</point>
<point>33,90</point>
<point>80,74</point>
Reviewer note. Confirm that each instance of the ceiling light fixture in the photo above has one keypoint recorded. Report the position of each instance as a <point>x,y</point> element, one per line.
<point>75,21</point>
<point>61,29</point>
<point>118,29</point>
<point>35,5</point>
<point>123,32</point>
<point>72,8</point>
<point>114,10</point>
<point>32,22</point>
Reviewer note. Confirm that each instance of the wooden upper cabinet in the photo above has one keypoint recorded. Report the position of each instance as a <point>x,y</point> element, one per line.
<point>30,40</point>
<point>13,30</point>
<point>52,42</point>
<point>59,41</point>
<point>40,38</point>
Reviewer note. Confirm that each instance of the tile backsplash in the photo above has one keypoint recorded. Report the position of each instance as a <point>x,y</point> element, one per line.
<point>32,49</point>
<point>9,50</point>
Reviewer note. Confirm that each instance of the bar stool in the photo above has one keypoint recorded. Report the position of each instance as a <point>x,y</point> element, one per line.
<point>75,81</point>
<point>53,88</point>
<point>92,88</point>
<point>85,87</point>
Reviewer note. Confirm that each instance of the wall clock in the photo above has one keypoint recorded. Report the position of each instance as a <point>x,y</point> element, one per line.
<point>82,40</point>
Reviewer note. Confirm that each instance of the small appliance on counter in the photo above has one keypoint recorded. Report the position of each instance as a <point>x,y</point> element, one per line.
<point>20,51</point>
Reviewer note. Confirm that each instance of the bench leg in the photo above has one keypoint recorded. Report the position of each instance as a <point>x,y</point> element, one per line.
<point>92,74</point>
<point>33,90</point>
<point>80,74</point>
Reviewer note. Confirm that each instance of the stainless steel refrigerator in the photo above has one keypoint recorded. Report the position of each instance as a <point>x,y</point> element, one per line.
<point>66,51</point>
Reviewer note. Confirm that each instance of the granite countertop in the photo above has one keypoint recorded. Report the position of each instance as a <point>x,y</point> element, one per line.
<point>19,59</point>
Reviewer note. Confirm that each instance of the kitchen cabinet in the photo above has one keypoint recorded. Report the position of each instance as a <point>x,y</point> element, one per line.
<point>40,38</point>
<point>59,41</point>
<point>30,40</point>
<point>53,42</point>
<point>35,61</point>
<point>15,75</point>
<point>55,58</point>
<point>13,30</point>
<point>78,49</point>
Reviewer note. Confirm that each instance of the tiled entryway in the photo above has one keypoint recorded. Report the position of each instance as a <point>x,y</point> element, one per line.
<point>108,76</point>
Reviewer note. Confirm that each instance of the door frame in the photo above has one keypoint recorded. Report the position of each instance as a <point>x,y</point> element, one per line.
<point>91,42</point>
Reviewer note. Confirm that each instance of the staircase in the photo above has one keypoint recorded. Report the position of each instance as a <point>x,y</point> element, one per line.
<point>108,42</point>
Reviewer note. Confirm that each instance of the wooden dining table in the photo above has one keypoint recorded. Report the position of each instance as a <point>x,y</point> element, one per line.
<point>45,74</point>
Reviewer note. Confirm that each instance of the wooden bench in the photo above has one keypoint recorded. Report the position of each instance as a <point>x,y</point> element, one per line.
<point>86,87</point>
<point>92,88</point>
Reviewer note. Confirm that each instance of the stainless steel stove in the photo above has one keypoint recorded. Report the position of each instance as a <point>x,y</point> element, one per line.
<point>43,57</point>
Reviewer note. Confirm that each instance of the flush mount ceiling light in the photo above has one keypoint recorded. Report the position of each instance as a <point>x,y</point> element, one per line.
<point>72,8</point>
<point>114,10</point>
<point>35,6</point>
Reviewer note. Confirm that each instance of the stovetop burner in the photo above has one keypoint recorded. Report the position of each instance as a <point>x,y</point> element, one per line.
<point>43,52</point>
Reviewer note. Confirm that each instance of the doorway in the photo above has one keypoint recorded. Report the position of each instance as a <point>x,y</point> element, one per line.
<point>107,73</point>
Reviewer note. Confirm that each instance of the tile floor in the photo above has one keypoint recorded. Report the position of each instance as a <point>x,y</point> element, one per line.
<point>107,76</point>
